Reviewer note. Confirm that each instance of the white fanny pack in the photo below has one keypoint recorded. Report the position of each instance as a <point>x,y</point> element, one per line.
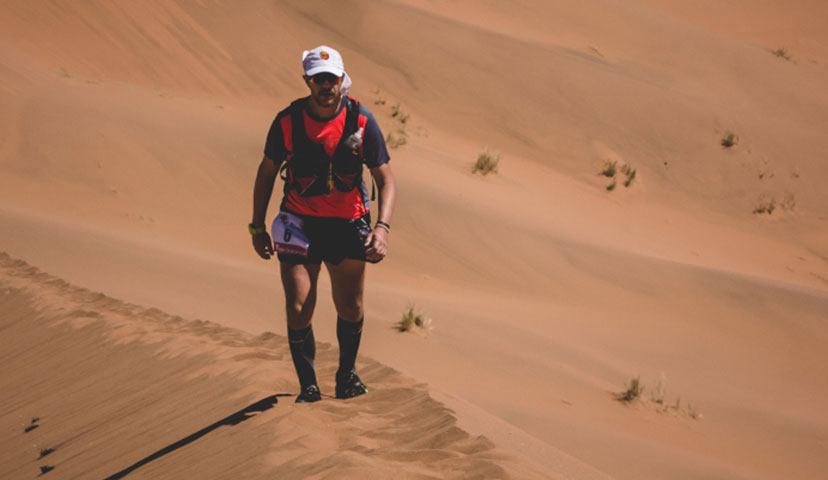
<point>289,236</point>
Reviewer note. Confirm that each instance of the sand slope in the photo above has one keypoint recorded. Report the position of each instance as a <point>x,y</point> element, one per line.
<point>129,140</point>
<point>113,388</point>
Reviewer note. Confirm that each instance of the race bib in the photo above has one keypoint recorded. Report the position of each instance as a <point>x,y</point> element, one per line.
<point>288,235</point>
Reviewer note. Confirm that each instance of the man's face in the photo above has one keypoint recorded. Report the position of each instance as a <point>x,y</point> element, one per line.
<point>324,88</point>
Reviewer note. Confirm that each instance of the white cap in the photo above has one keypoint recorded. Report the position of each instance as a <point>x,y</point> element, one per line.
<point>322,59</point>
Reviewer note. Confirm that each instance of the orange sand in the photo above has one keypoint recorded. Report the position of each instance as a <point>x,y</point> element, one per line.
<point>129,141</point>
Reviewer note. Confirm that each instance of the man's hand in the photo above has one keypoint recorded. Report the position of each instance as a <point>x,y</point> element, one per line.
<point>263,245</point>
<point>376,245</point>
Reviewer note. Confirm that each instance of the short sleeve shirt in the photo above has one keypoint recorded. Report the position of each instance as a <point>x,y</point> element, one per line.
<point>328,132</point>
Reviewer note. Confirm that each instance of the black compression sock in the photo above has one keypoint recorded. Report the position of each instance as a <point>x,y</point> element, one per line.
<point>349,334</point>
<point>303,352</point>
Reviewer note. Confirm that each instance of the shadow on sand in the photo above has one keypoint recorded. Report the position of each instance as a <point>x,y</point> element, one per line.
<point>234,419</point>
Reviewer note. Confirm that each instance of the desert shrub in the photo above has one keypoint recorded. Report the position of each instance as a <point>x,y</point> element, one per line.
<point>630,178</point>
<point>396,141</point>
<point>765,206</point>
<point>782,53</point>
<point>398,113</point>
<point>658,398</point>
<point>629,172</point>
<point>609,169</point>
<point>633,391</point>
<point>693,412</point>
<point>660,391</point>
<point>487,162</point>
<point>413,318</point>
<point>730,139</point>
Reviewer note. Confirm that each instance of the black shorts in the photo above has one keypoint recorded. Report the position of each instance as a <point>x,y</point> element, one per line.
<point>332,240</point>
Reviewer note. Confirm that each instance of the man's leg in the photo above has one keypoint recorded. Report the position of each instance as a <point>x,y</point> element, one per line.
<point>299,282</point>
<point>347,285</point>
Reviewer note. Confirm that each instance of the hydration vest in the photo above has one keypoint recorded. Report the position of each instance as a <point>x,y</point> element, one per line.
<point>309,169</point>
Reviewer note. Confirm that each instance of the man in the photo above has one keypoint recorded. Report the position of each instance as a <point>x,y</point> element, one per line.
<point>320,142</point>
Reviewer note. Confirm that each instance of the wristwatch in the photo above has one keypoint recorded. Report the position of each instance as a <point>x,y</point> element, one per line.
<point>256,229</point>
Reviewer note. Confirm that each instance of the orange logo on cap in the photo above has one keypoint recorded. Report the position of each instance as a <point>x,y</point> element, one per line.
<point>324,55</point>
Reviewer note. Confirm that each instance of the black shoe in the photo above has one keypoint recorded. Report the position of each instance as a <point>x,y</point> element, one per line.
<point>309,394</point>
<point>348,385</point>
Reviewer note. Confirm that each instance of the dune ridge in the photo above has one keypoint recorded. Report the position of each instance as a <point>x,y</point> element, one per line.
<point>111,383</point>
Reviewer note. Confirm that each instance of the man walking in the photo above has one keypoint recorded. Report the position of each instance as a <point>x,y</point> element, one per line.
<point>320,142</point>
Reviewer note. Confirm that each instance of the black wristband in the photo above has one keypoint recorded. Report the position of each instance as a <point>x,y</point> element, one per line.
<point>384,226</point>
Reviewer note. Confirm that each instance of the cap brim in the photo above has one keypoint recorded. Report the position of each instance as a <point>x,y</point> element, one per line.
<point>325,69</point>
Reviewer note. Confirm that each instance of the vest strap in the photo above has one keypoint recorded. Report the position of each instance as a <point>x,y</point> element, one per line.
<point>309,169</point>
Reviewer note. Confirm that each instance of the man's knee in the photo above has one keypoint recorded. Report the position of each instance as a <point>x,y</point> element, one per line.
<point>350,310</point>
<point>295,308</point>
<point>300,307</point>
<point>299,283</point>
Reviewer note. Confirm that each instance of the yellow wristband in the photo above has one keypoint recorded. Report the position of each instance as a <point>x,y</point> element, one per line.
<point>256,230</point>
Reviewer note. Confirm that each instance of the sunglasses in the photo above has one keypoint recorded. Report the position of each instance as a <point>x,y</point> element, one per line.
<point>322,78</point>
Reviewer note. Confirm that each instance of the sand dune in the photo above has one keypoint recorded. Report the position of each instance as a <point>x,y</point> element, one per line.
<point>129,140</point>
<point>114,388</point>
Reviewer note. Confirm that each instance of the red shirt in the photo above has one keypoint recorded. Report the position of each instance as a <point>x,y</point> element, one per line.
<point>328,132</point>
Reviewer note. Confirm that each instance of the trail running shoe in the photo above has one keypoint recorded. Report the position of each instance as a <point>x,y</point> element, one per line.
<point>309,394</point>
<point>348,385</point>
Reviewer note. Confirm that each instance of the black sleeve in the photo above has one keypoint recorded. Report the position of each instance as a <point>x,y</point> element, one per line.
<point>373,143</point>
<point>275,144</point>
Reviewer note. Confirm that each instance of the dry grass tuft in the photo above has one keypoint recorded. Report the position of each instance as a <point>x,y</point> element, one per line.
<point>658,398</point>
<point>610,169</point>
<point>660,391</point>
<point>629,172</point>
<point>412,319</point>
<point>398,113</point>
<point>769,205</point>
<point>765,206</point>
<point>730,139</point>
<point>396,141</point>
<point>782,53</point>
<point>399,138</point>
<point>487,162</point>
<point>633,391</point>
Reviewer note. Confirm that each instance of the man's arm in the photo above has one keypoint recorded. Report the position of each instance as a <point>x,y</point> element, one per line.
<point>262,191</point>
<point>377,241</point>
<point>387,192</point>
